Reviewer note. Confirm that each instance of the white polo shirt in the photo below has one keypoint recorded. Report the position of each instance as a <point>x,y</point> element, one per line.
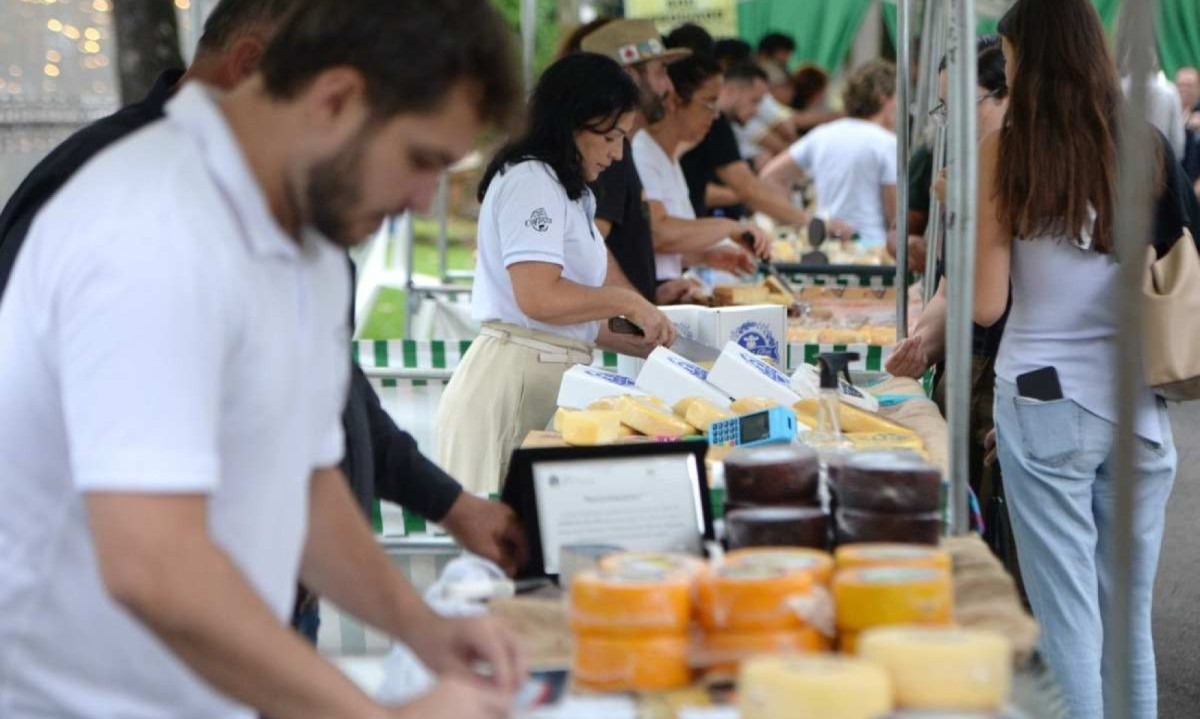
<point>161,335</point>
<point>851,161</point>
<point>663,181</point>
<point>526,216</point>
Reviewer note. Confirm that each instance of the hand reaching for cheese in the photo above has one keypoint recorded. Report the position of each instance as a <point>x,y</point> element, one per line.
<point>729,258</point>
<point>908,359</point>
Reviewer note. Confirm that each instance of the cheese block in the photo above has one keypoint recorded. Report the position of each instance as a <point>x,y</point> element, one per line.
<point>557,423</point>
<point>673,378</point>
<point>778,527</point>
<point>740,294</point>
<point>627,603</point>
<point>641,563</point>
<point>591,427</point>
<point>852,419</point>
<point>804,335</point>
<point>752,595</point>
<point>883,596</point>
<point>613,403</point>
<point>821,687</point>
<point>741,373</point>
<point>772,474</point>
<point>883,336</point>
<point>700,413</point>
<point>621,664</point>
<point>886,482</point>
<point>942,669</point>
<point>806,382</point>
<point>651,420</point>
<point>874,441</point>
<point>852,526</point>
<point>583,385</point>
<point>750,405</point>
<point>723,651</point>
<point>815,562</point>
<point>884,554</point>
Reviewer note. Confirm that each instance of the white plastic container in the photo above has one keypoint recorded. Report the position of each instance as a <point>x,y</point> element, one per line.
<point>741,373</point>
<point>582,385</point>
<point>671,378</point>
<point>760,329</point>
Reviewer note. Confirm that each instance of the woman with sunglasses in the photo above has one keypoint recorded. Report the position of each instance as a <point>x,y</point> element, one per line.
<point>540,276</point>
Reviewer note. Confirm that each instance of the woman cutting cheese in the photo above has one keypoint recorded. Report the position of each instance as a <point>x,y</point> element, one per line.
<point>540,276</point>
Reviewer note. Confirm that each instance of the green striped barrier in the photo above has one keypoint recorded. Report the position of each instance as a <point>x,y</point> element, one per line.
<point>871,357</point>
<point>876,282</point>
<point>428,354</point>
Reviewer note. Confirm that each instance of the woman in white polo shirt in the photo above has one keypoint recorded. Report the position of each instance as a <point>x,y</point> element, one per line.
<point>540,278</point>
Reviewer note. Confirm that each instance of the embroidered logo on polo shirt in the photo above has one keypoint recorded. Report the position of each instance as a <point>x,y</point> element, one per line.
<point>539,220</point>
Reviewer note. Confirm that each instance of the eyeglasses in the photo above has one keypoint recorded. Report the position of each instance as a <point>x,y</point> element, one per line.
<point>941,113</point>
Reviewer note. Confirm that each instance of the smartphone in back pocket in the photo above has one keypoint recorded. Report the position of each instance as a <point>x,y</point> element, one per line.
<point>1040,384</point>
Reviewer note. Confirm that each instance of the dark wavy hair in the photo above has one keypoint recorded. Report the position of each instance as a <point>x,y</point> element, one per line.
<point>1058,146</point>
<point>869,88</point>
<point>583,91</point>
<point>690,73</point>
<point>808,81</point>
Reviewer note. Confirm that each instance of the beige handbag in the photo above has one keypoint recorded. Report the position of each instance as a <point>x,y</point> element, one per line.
<point>1171,321</point>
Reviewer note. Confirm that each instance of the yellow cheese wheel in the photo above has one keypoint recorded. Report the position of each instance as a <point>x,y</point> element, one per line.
<point>591,427</point>
<point>881,596</point>
<point>942,668</point>
<point>650,419</point>
<point>752,595</point>
<point>851,418</point>
<point>619,664</point>
<point>819,564</point>
<point>642,563</point>
<point>867,441</point>
<point>883,554</point>
<point>625,603</point>
<point>726,650</point>
<point>703,413</point>
<point>824,687</point>
<point>750,405</point>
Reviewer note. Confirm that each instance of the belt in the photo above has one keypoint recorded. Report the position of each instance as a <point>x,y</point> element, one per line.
<point>547,352</point>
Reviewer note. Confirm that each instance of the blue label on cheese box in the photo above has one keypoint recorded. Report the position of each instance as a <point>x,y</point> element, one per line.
<point>689,367</point>
<point>612,377</point>
<point>757,338</point>
<point>766,370</point>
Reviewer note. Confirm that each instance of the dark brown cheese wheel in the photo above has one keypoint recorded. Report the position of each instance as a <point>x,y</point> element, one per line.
<point>887,482</point>
<point>777,527</point>
<point>777,474</point>
<point>853,526</point>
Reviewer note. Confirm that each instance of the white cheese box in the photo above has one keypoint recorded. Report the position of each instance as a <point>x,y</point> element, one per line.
<point>671,378</point>
<point>740,373</point>
<point>686,320</point>
<point>806,381</point>
<point>761,329</point>
<point>582,385</point>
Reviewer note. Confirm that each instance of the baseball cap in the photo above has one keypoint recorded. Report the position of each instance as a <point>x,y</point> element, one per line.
<point>630,42</point>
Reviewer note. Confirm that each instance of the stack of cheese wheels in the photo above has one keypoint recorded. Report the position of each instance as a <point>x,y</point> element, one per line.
<point>821,687</point>
<point>886,497</point>
<point>772,498</point>
<point>872,597</point>
<point>630,621</point>
<point>942,669</point>
<point>885,554</point>
<point>749,605</point>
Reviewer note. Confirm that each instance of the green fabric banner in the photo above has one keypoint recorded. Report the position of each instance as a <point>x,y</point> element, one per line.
<point>1178,34</point>
<point>1108,9</point>
<point>824,29</point>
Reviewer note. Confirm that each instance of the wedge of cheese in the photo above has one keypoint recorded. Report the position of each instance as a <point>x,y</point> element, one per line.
<point>750,405</point>
<point>650,419</point>
<point>741,294</point>
<point>591,427</point>
<point>851,418</point>
<point>700,413</point>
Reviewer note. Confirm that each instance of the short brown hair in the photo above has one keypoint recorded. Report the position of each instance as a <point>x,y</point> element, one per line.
<point>869,88</point>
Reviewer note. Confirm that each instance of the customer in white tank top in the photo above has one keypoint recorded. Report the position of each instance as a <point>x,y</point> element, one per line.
<point>1046,234</point>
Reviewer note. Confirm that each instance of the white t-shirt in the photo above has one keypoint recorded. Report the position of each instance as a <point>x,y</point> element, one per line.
<point>527,217</point>
<point>851,161</point>
<point>771,112</point>
<point>1162,110</point>
<point>663,181</point>
<point>161,334</point>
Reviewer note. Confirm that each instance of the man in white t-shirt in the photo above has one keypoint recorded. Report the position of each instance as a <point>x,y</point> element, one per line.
<point>172,371</point>
<point>852,161</point>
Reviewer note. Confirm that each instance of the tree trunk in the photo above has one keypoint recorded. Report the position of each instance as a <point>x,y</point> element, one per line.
<point>147,44</point>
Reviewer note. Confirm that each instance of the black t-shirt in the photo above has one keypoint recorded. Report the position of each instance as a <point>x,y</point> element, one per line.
<point>920,179</point>
<point>718,149</point>
<point>618,193</point>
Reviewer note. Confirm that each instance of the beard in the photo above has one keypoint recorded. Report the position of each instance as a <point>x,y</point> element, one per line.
<point>653,106</point>
<point>334,189</point>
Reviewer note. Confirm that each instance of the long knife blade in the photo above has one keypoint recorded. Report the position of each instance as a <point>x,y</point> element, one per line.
<point>684,347</point>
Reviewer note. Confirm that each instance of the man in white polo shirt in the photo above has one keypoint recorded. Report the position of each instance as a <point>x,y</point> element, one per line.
<point>172,371</point>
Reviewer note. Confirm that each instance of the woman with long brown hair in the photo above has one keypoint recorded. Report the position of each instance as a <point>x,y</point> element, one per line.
<point>1047,185</point>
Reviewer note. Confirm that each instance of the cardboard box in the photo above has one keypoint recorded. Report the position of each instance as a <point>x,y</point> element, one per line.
<point>582,385</point>
<point>740,373</point>
<point>686,320</point>
<point>761,329</point>
<point>671,378</point>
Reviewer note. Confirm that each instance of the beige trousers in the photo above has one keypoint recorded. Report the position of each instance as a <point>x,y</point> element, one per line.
<point>505,387</point>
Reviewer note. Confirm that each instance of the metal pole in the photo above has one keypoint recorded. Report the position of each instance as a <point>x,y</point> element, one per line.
<point>960,253</point>
<point>903,122</point>
<point>1132,226</point>
<point>933,232</point>
<point>528,40</point>
<point>926,86</point>
<point>442,204</point>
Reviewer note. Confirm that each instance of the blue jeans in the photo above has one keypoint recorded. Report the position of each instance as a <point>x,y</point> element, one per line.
<point>1057,460</point>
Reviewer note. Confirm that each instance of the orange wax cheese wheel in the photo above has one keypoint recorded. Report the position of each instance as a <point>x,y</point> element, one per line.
<point>642,563</point>
<point>820,687</point>
<point>942,669</point>
<point>722,650</point>
<point>881,596</point>
<point>750,405</point>
<point>885,554</point>
<point>621,603</point>
<point>752,595</point>
<point>793,559</point>
<point>620,664</point>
